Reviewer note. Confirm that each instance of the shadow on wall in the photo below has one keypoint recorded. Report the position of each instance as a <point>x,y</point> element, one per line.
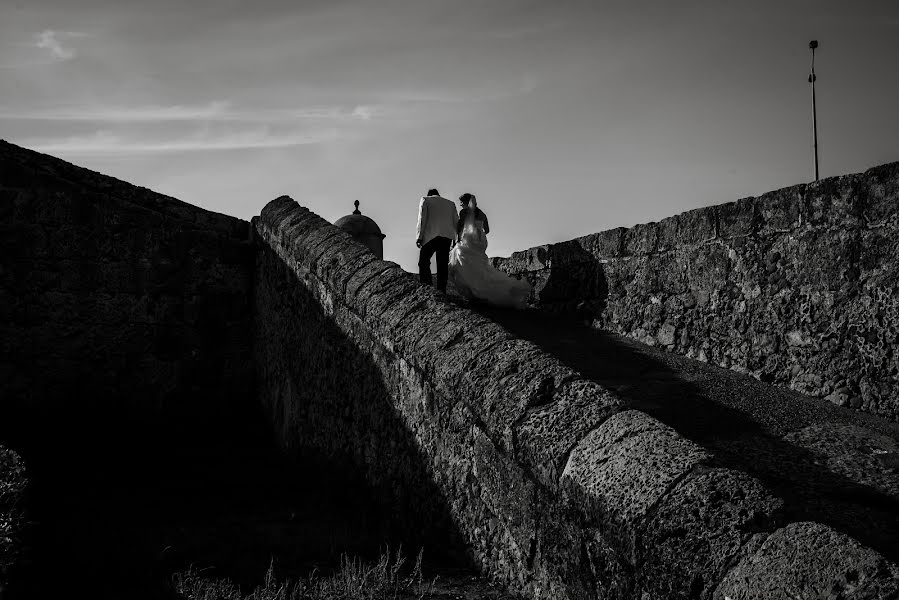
<point>118,522</point>
<point>124,503</point>
<point>570,280</point>
<point>125,497</point>
<point>327,399</point>
<point>810,490</point>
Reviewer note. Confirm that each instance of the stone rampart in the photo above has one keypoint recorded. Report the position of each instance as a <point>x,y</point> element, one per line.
<point>117,305</point>
<point>798,287</point>
<point>557,489</point>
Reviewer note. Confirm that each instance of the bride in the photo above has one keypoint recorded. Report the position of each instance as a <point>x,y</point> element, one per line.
<point>473,275</point>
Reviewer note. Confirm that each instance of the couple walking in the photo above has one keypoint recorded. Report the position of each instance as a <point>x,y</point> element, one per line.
<point>459,241</point>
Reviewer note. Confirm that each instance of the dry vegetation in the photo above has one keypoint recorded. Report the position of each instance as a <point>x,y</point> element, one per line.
<point>386,579</point>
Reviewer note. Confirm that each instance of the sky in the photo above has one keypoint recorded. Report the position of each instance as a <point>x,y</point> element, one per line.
<point>564,117</point>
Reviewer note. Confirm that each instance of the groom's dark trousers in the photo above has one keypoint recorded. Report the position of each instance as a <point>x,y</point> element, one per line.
<point>441,247</point>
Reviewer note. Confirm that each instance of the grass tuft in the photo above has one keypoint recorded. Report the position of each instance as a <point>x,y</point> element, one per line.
<point>356,580</point>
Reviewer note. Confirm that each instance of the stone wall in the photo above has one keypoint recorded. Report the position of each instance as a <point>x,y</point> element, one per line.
<point>798,287</point>
<point>556,488</point>
<point>118,306</point>
<point>14,520</point>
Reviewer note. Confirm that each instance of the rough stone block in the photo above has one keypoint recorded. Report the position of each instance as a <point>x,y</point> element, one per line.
<point>442,331</point>
<point>825,259</point>
<point>672,275</point>
<point>307,249</point>
<point>779,210</point>
<point>811,560</point>
<point>452,361</point>
<point>697,226</point>
<point>294,226</point>
<point>274,212</point>
<point>833,202</point>
<point>623,468</point>
<point>389,293</point>
<point>363,276</point>
<point>880,186</point>
<point>738,218</point>
<point>878,260</point>
<point>539,281</point>
<point>344,254</point>
<point>503,264</point>
<point>574,560</point>
<point>350,266</point>
<point>566,254</point>
<point>650,271</point>
<point>379,281</point>
<point>618,273</point>
<point>710,266</point>
<point>507,492</point>
<point>700,529</point>
<point>571,284</point>
<point>549,432</point>
<point>604,244</point>
<point>408,299</point>
<point>668,233</point>
<point>501,390</point>
<point>532,259</point>
<point>641,239</point>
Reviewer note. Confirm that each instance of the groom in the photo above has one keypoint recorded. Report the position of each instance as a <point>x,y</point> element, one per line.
<point>436,229</point>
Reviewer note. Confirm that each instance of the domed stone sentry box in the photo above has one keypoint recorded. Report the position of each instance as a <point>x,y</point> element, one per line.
<point>364,230</point>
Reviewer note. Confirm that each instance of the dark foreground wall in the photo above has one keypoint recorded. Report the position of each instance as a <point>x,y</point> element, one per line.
<point>798,287</point>
<point>13,517</point>
<point>117,305</point>
<point>555,487</point>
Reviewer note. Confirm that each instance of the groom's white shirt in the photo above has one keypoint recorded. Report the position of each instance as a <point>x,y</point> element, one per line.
<point>437,216</point>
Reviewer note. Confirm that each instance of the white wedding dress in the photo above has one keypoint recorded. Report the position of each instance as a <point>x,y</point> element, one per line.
<point>474,276</point>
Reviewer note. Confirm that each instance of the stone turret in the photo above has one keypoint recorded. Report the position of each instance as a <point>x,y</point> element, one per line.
<point>363,230</point>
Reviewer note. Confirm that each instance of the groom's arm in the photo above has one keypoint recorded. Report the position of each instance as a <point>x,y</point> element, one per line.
<point>422,219</point>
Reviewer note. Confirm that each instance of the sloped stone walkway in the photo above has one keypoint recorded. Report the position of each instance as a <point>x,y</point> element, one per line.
<point>830,464</point>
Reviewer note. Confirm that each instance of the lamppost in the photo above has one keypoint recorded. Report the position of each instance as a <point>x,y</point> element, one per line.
<point>811,78</point>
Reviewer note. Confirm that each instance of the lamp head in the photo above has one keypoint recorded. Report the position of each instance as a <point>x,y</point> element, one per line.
<point>813,44</point>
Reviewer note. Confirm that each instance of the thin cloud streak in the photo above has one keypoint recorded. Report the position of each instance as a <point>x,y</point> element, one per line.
<point>214,111</point>
<point>527,85</point>
<point>521,32</point>
<point>106,143</point>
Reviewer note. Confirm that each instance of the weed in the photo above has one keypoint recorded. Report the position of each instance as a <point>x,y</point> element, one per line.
<point>356,580</point>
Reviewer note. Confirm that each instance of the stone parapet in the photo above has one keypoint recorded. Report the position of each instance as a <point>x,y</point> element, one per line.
<point>797,287</point>
<point>117,304</point>
<point>556,489</point>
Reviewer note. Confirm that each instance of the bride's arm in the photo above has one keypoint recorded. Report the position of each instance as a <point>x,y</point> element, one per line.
<point>486,224</point>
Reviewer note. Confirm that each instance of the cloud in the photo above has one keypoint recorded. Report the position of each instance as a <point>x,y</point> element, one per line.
<point>54,41</point>
<point>486,93</point>
<point>217,110</point>
<point>159,129</point>
<point>121,114</point>
<point>364,112</point>
<point>525,31</point>
<point>106,143</point>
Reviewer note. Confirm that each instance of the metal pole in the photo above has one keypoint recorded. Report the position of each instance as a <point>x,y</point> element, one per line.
<point>814,44</point>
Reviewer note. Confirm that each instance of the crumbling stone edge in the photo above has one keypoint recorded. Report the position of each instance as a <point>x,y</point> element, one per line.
<point>557,488</point>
